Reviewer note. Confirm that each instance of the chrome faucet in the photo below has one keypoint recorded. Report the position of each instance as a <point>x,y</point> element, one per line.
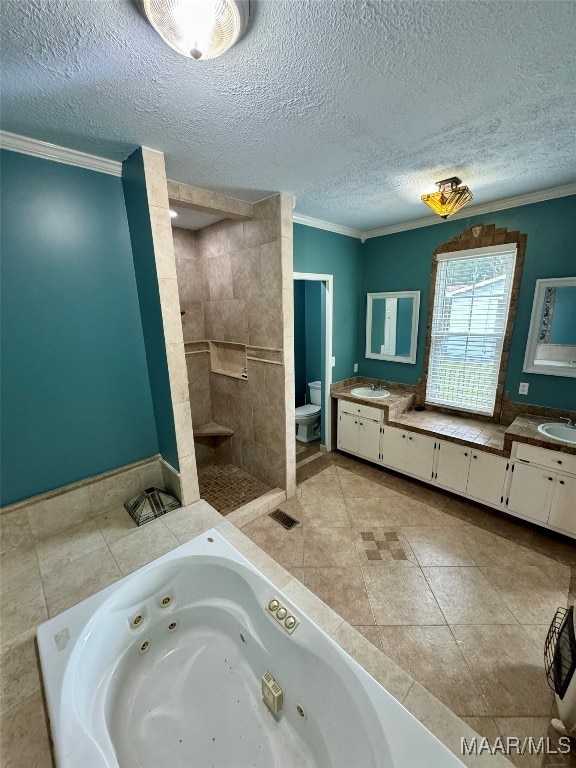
<point>569,422</point>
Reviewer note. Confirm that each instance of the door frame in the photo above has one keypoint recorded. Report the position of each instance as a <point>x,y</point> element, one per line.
<point>329,308</point>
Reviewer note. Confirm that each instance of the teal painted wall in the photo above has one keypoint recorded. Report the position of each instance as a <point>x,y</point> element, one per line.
<point>314,340</point>
<point>300,342</point>
<point>316,250</point>
<point>76,398</point>
<point>402,262</point>
<point>135,196</point>
<point>309,338</point>
<point>563,330</point>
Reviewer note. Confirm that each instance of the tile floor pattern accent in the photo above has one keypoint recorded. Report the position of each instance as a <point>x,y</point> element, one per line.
<point>225,486</point>
<point>458,596</point>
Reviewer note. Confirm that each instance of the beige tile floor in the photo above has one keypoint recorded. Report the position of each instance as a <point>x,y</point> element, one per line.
<point>445,589</point>
<point>457,596</point>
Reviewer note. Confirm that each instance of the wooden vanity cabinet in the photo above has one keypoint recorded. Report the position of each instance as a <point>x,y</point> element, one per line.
<point>359,430</point>
<point>542,487</point>
<point>407,452</point>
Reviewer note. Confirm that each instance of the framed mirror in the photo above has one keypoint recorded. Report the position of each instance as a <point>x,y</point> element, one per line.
<point>551,347</point>
<point>392,325</point>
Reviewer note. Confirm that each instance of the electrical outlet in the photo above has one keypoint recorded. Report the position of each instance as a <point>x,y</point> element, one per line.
<point>332,361</point>
<point>355,367</point>
<point>523,388</point>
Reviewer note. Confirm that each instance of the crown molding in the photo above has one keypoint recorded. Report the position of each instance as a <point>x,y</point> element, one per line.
<point>308,221</point>
<point>476,210</point>
<point>28,146</point>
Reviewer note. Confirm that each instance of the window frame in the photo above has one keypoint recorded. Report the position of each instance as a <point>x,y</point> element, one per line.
<point>477,238</point>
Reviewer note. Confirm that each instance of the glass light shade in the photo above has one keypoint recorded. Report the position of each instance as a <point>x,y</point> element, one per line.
<point>198,29</point>
<point>446,202</point>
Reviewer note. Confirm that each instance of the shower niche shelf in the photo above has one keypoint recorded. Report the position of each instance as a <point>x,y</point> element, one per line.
<point>228,359</point>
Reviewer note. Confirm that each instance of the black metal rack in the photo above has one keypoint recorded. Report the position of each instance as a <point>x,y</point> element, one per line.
<point>560,651</point>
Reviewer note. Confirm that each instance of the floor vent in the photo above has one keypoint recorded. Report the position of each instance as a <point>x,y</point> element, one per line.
<point>284,519</point>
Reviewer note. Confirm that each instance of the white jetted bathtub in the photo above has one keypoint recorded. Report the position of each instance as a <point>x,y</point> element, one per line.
<point>197,660</point>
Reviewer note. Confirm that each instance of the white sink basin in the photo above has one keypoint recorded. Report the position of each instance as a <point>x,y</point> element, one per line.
<point>558,432</point>
<point>373,394</point>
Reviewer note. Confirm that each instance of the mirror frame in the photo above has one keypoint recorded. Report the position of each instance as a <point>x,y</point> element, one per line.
<point>415,295</point>
<point>531,344</point>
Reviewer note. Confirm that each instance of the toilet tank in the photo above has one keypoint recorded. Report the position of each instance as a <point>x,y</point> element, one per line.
<point>315,392</point>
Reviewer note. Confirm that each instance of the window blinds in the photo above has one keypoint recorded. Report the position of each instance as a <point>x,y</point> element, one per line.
<point>471,305</point>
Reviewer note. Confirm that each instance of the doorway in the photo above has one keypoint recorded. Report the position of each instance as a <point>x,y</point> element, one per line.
<point>325,295</point>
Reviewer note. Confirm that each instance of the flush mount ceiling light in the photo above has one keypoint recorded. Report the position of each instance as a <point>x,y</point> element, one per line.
<point>198,29</point>
<point>449,198</point>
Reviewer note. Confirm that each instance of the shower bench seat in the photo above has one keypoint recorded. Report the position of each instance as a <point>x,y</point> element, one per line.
<point>211,429</point>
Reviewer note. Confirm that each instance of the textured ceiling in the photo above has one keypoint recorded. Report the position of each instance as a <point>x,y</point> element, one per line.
<point>355,107</point>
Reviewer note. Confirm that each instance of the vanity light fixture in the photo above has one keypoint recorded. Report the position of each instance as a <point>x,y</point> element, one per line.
<point>449,198</point>
<point>173,214</point>
<point>198,29</point>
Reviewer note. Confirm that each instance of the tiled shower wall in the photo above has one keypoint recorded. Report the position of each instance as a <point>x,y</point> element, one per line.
<point>235,284</point>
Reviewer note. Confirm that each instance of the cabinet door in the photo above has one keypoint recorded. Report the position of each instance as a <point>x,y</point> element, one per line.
<point>530,491</point>
<point>486,477</point>
<point>395,449</point>
<point>452,465</point>
<point>420,455</point>
<point>348,432</point>
<point>563,508</point>
<point>369,439</point>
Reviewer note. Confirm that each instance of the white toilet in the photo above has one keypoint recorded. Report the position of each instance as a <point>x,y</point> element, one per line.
<point>308,416</point>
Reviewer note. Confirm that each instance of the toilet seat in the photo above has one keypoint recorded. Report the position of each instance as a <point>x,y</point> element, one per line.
<point>307,410</point>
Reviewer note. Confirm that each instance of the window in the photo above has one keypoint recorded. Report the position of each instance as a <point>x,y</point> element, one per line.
<point>471,303</point>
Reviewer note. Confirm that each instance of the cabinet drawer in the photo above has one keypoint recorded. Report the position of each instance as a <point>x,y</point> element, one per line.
<point>360,410</point>
<point>563,462</point>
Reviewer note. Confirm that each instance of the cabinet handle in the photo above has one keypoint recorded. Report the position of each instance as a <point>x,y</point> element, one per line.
<point>403,436</point>
<point>355,422</point>
<point>550,478</point>
<point>474,456</point>
<point>559,462</point>
<point>561,482</point>
<point>410,438</point>
<point>466,453</point>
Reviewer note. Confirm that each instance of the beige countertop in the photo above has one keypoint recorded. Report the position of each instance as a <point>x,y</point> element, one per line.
<point>396,402</point>
<point>485,435</point>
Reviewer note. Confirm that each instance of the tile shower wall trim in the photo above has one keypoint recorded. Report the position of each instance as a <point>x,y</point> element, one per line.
<point>287,281</point>
<point>171,478</point>
<point>157,190</point>
<point>210,202</point>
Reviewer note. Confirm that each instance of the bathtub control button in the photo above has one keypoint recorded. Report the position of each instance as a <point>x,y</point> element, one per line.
<point>287,621</point>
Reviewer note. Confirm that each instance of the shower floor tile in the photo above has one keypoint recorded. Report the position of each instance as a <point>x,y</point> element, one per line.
<point>227,487</point>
